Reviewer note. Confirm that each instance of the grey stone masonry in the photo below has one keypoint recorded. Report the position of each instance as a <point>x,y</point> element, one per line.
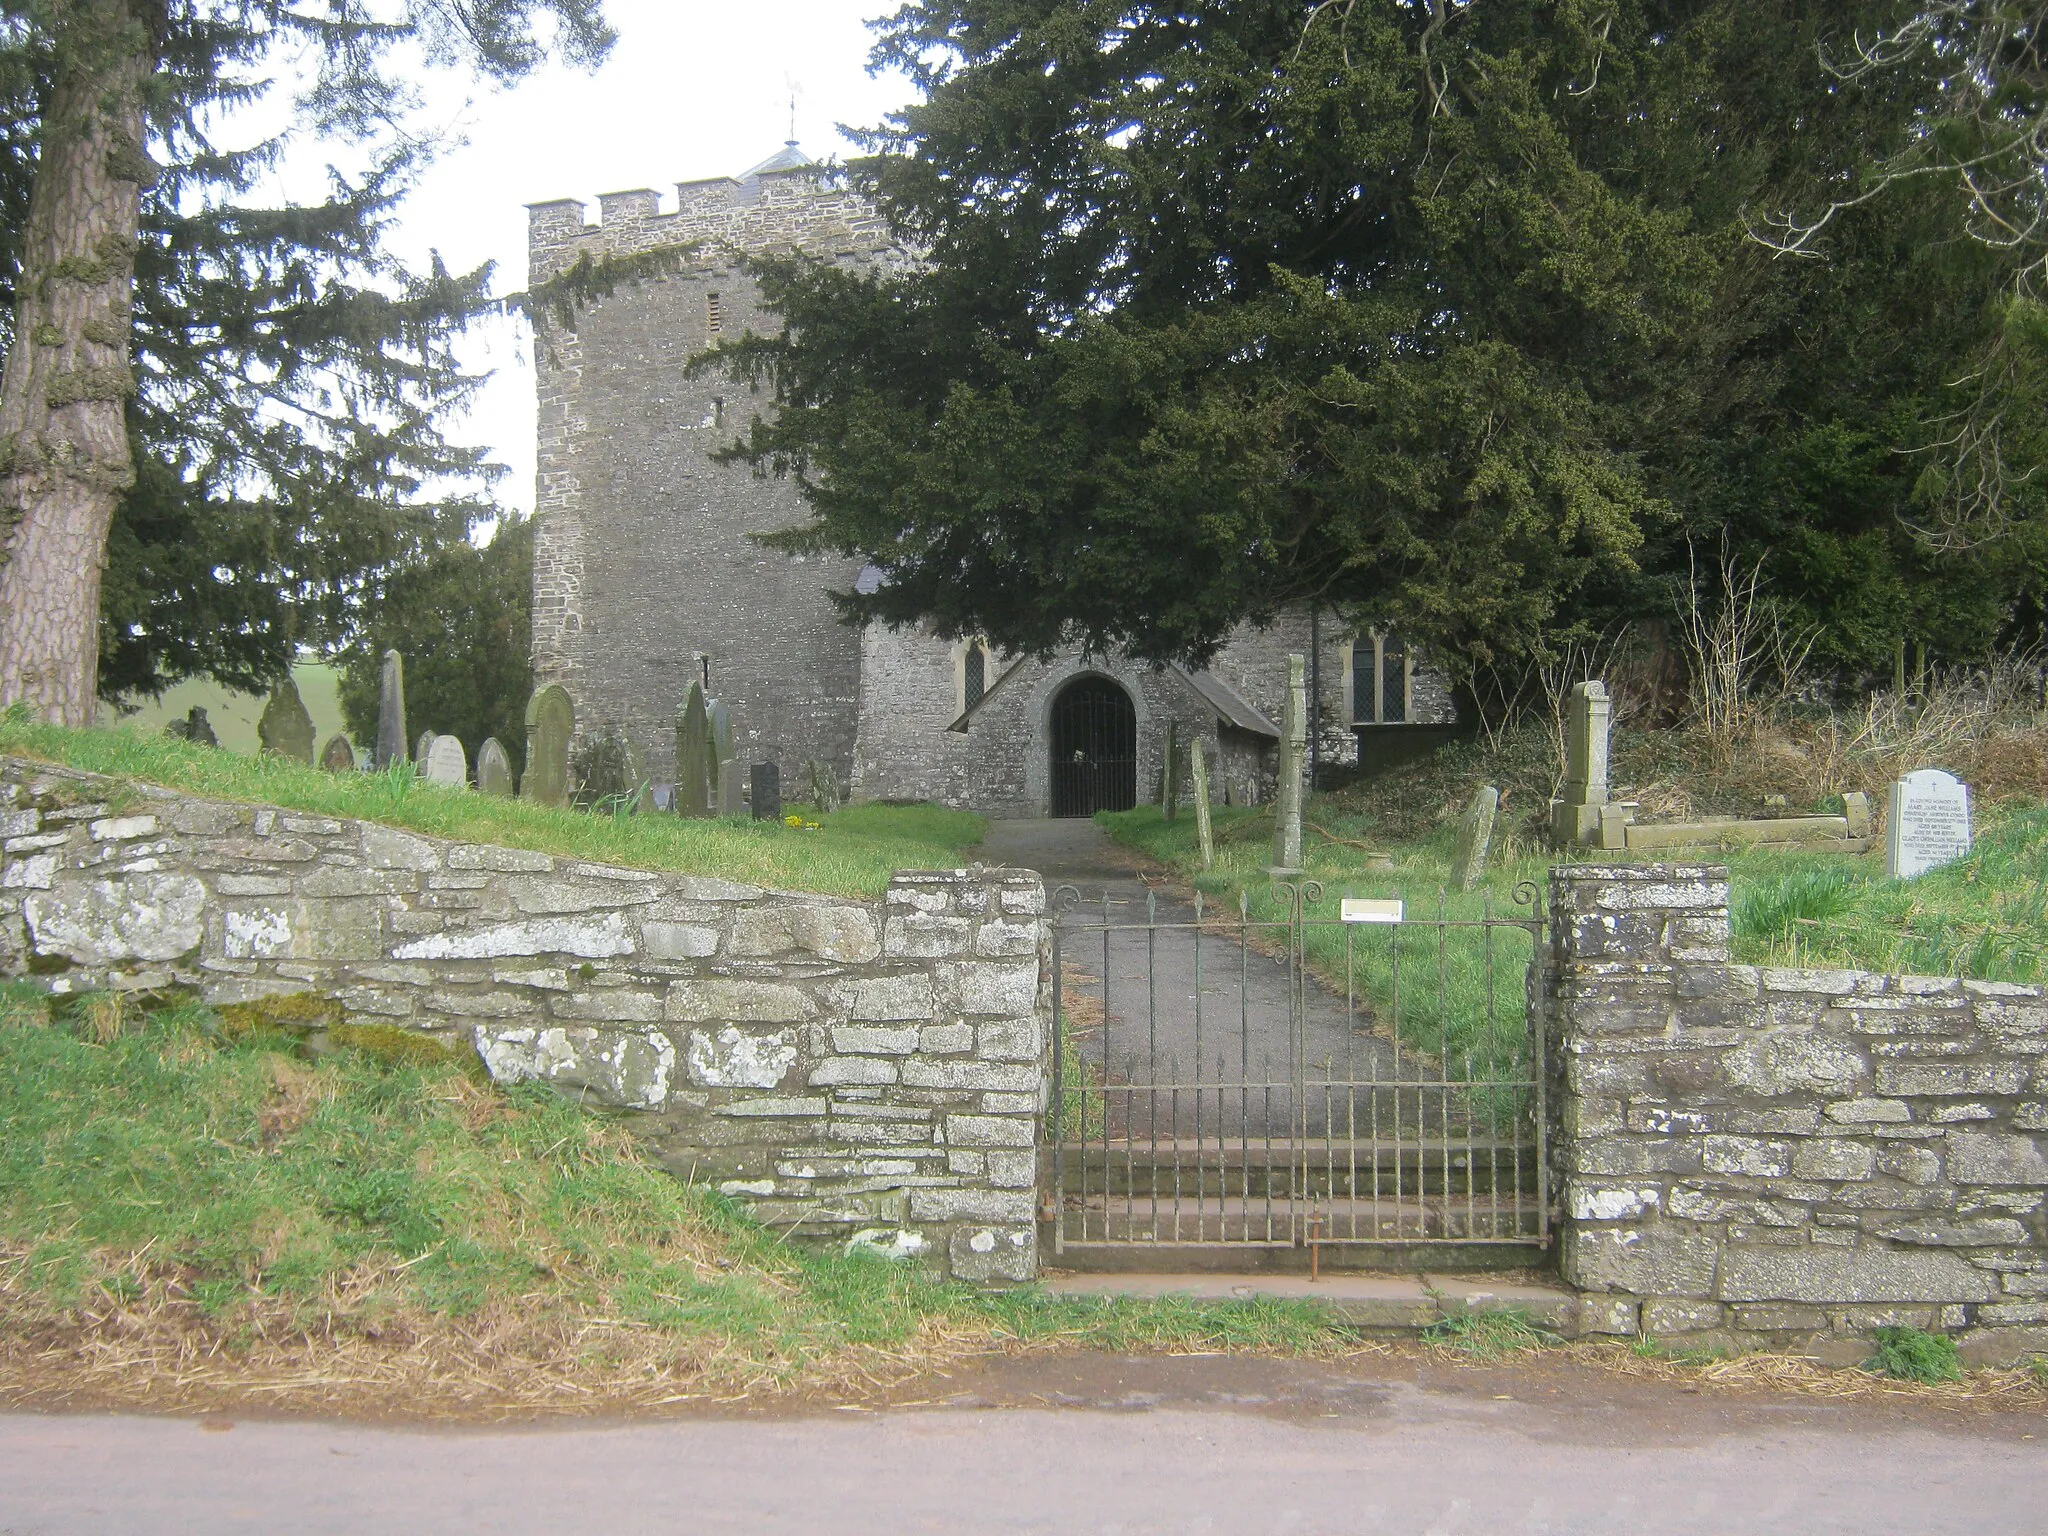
<point>1787,1155</point>
<point>868,1072</point>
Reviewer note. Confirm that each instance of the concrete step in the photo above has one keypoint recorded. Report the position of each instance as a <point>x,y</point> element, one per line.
<point>1382,1303</point>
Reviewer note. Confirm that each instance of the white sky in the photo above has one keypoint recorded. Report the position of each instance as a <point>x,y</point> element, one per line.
<point>692,89</point>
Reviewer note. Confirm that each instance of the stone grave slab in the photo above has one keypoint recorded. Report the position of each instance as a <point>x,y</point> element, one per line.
<point>1928,825</point>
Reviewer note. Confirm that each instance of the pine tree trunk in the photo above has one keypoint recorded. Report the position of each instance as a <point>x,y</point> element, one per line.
<point>64,456</point>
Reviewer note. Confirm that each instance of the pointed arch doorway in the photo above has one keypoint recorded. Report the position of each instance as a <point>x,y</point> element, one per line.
<point>1094,748</point>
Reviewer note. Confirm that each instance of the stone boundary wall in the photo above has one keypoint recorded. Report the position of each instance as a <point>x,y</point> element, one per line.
<point>1793,1157</point>
<point>860,1071</point>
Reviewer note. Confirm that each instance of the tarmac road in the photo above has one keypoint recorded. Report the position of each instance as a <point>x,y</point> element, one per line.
<point>1204,1445</point>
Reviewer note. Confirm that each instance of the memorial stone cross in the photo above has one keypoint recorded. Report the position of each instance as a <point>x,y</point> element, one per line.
<point>1293,745</point>
<point>493,768</point>
<point>767,792</point>
<point>1575,814</point>
<point>693,755</point>
<point>286,730</point>
<point>338,756</point>
<point>1198,772</point>
<point>1928,824</point>
<point>550,727</point>
<point>1475,837</point>
<point>390,713</point>
<point>446,763</point>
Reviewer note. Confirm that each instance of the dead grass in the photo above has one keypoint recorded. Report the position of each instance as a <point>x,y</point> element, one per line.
<point>1803,1376</point>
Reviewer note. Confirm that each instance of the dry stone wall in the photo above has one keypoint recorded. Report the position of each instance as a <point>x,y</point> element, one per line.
<point>867,1072</point>
<point>1790,1155</point>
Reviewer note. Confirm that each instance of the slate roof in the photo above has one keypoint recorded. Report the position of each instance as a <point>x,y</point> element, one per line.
<point>787,158</point>
<point>1232,707</point>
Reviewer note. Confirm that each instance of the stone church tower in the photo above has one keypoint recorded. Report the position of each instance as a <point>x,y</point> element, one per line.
<point>646,574</point>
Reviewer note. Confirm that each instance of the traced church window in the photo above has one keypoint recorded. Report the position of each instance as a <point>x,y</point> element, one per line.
<point>1382,680</point>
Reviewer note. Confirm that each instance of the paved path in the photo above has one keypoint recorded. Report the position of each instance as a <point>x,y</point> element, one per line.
<point>1254,1447</point>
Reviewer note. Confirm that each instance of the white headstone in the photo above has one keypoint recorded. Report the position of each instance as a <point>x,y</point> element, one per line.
<point>446,763</point>
<point>1928,825</point>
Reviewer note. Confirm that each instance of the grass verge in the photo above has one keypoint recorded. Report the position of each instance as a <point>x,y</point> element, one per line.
<point>852,853</point>
<point>191,1210</point>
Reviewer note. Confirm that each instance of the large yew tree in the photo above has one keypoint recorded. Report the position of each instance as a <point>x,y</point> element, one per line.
<point>109,107</point>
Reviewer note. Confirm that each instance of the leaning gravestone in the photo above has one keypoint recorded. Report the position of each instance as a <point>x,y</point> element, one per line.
<point>422,747</point>
<point>767,792</point>
<point>446,764</point>
<point>286,730</point>
<point>390,713</point>
<point>550,727</point>
<point>1198,769</point>
<point>338,756</point>
<point>693,756</point>
<point>493,768</point>
<point>1475,837</point>
<point>1293,747</point>
<point>1928,825</point>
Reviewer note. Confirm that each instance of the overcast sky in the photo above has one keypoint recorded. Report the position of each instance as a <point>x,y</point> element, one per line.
<point>692,90</point>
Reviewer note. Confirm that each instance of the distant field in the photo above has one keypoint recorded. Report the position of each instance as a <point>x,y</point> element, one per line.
<point>233,715</point>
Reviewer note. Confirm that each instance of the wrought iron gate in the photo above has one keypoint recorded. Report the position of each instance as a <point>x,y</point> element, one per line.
<point>1288,1080</point>
<point>1094,748</point>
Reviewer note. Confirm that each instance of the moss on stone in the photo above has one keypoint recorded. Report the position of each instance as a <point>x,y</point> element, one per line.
<point>292,1013</point>
<point>401,1047</point>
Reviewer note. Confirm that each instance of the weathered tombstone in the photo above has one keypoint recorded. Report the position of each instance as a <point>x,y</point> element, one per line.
<point>1169,773</point>
<point>732,787</point>
<point>286,729</point>
<point>422,747</point>
<point>550,727</point>
<point>638,785</point>
<point>1856,811</point>
<point>767,792</point>
<point>1198,771</point>
<point>1928,824</point>
<point>493,768</point>
<point>446,763</point>
<point>195,728</point>
<point>338,756</point>
<point>1475,837</point>
<point>720,719</point>
<point>1575,815</point>
<point>693,756</point>
<point>390,713</point>
<point>1293,747</point>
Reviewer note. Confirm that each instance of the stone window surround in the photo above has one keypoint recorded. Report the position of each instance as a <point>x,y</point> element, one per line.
<point>1370,648</point>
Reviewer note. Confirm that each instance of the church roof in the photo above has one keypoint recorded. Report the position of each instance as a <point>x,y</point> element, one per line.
<point>1232,707</point>
<point>787,158</point>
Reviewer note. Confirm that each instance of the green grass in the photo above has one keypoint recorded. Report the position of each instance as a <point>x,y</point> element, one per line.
<point>1911,1354</point>
<point>853,852</point>
<point>1489,1335</point>
<point>347,1193</point>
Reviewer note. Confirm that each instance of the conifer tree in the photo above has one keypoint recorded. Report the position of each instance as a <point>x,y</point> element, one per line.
<point>251,391</point>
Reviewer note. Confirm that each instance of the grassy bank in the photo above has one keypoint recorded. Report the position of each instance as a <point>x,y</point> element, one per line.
<point>851,853</point>
<point>187,1209</point>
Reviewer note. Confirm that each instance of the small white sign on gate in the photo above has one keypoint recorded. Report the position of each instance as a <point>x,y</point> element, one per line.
<point>1358,909</point>
<point>1928,825</point>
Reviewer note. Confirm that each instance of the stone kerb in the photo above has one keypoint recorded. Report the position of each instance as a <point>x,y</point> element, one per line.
<point>870,1072</point>
<point>1796,1157</point>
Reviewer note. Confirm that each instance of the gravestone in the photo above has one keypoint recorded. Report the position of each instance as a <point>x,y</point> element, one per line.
<point>693,755</point>
<point>390,713</point>
<point>1293,746</point>
<point>550,727</point>
<point>767,792</point>
<point>286,730</point>
<point>1928,824</point>
<point>338,756</point>
<point>1575,814</point>
<point>1169,773</point>
<point>422,747</point>
<point>195,728</point>
<point>446,763</point>
<point>493,768</point>
<point>1475,837</point>
<point>638,783</point>
<point>602,770</point>
<point>1198,771</point>
<point>720,720</point>
<point>732,787</point>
